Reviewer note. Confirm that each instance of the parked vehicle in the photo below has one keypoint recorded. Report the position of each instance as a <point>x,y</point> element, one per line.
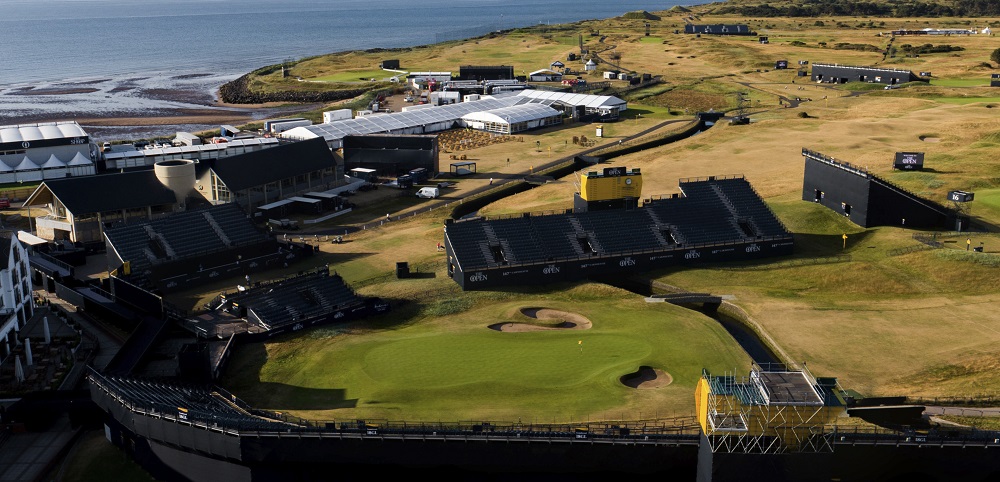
<point>428,192</point>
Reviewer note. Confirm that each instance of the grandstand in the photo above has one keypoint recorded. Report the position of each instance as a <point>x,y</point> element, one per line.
<point>302,301</point>
<point>141,250</point>
<point>868,200</point>
<point>717,218</point>
<point>183,403</point>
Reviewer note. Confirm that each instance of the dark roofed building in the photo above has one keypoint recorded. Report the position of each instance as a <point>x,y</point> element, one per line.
<point>486,72</point>
<point>80,206</point>
<point>716,219</point>
<point>719,29</point>
<point>842,74</point>
<point>261,177</point>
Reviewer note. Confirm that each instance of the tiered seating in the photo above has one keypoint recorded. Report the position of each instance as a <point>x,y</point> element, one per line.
<point>200,404</point>
<point>131,242</point>
<point>298,299</point>
<point>748,204</point>
<point>235,225</point>
<point>621,231</point>
<point>518,238</point>
<point>188,234</point>
<point>467,239</point>
<point>709,212</point>
<point>556,235</point>
<point>701,216</point>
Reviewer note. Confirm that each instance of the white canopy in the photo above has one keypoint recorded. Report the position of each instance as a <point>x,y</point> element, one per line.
<point>53,162</point>
<point>26,164</point>
<point>79,160</point>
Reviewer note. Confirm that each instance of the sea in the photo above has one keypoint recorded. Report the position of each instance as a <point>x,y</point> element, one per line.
<point>65,59</point>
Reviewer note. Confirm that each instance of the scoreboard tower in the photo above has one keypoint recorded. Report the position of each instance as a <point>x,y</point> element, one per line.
<point>612,188</point>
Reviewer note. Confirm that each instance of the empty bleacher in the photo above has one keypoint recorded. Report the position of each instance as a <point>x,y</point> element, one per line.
<point>747,204</point>
<point>711,211</point>
<point>297,299</point>
<point>184,235</point>
<point>195,404</point>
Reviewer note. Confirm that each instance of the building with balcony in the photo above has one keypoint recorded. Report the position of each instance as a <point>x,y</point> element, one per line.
<point>80,208</point>
<point>16,305</point>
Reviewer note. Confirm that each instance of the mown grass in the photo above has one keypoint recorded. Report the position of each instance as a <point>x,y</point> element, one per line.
<point>920,323</point>
<point>446,363</point>
<point>980,82</point>
<point>355,76</point>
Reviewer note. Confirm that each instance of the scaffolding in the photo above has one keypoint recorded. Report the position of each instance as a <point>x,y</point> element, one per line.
<point>776,409</point>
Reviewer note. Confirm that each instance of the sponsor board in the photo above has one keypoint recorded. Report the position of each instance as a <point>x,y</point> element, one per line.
<point>628,261</point>
<point>550,269</point>
<point>478,277</point>
<point>693,254</point>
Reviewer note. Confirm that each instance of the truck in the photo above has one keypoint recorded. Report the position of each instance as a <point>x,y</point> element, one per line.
<point>284,223</point>
<point>428,192</point>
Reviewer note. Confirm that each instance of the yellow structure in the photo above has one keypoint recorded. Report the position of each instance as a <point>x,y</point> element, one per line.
<point>611,183</point>
<point>776,409</point>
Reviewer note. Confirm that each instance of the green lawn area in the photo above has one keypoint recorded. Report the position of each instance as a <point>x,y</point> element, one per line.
<point>961,82</point>
<point>651,40</point>
<point>430,368</point>
<point>356,76</point>
<point>966,100</point>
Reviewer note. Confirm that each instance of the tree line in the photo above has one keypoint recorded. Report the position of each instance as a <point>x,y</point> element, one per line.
<point>817,8</point>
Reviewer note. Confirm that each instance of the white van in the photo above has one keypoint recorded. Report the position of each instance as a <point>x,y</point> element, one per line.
<point>428,192</point>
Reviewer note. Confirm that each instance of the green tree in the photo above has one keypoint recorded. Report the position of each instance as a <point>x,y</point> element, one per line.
<point>995,56</point>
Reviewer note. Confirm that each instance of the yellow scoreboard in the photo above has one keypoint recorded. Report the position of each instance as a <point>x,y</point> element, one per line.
<point>611,183</point>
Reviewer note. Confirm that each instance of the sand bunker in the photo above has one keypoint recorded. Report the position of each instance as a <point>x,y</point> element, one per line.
<point>930,139</point>
<point>647,378</point>
<point>566,321</point>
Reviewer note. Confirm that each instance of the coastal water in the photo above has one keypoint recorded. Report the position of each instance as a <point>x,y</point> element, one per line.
<point>92,58</point>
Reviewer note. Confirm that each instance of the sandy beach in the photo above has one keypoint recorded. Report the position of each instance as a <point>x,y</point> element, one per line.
<point>135,107</point>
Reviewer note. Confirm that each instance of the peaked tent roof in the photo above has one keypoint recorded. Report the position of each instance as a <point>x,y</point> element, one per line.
<point>79,160</point>
<point>53,162</point>
<point>256,168</point>
<point>26,164</point>
<point>104,192</point>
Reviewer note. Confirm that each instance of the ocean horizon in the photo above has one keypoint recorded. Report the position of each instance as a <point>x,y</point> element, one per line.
<point>129,58</point>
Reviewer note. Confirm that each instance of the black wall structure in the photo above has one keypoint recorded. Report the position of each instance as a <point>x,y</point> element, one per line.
<point>719,29</point>
<point>717,219</point>
<point>842,74</point>
<point>204,433</point>
<point>391,155</point>
<point>486,72</point>
<point>868,200</point>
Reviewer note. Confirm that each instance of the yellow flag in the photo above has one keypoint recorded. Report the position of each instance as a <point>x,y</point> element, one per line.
<point>580,342</point>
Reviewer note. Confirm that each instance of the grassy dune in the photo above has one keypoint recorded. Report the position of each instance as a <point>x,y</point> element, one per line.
<point>884,323</point>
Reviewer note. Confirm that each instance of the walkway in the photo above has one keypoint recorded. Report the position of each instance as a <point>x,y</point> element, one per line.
<point>28,456</point>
